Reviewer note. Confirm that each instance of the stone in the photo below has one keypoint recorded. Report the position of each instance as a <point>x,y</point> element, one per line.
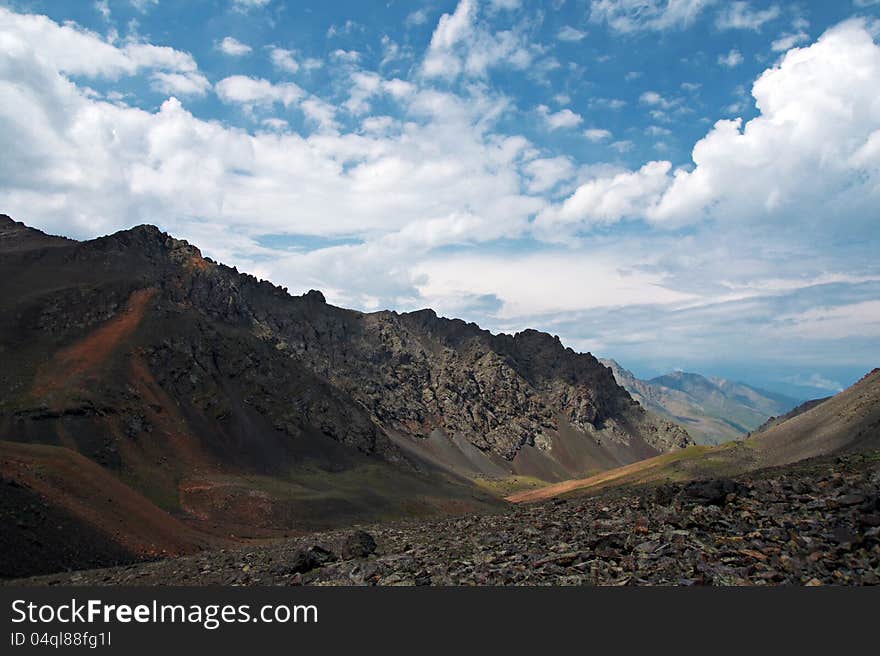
<point>358,544</point>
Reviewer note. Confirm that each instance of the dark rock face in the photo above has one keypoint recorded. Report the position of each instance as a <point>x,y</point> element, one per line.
<point>359,544</point>
<point>310,557</point>
<point>235,352</point>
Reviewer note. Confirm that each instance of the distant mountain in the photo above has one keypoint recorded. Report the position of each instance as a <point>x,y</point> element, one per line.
<point>223,402</point>
<point>844,424</point>
<point>713,410</point>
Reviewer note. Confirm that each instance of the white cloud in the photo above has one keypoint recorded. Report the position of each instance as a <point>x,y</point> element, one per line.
<point>320,112</point>
<point>418,17</point>
<point>834,322</point>
<point>364,85</point>
<point>76,51</point>
<point>646,15</point>
<point>424,169</point>
<point>521,282</point>
<point>623,146</point>
<point>249,91</point>
<point>77,165</point>
<point>548,172</point>
<point>654,99</point>
<point>812,156</point>
<point>741,16</point>
<point>346,56</point>
<point>732,59</point>
<point>461,45</point>
<point>143,6</point>
<point>816,381</point>
<point>564,118</point>
<point>233,47</point>
<point>607,103</point>
<point>103,8</point>
<point>283,60</point>
<point>787,41</point>
<point>247,5</point>
<point>180,84</point>
<point>569,33</point>
<point>73,50</point>
<point>505,5</point>
<point>597,134</point>
<point>608,199</point>
<point>277,124</point>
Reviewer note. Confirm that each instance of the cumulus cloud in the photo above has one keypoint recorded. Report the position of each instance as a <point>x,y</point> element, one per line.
<point>608,199</point>
<point>233,47</point>
<point>414,192</point>
<point>83,166</point>
<point>283,60</point>
<point>811,156</point>
<point>654,99</point>
<point>250,92</point>
<point>73,50</point>
<point>597,134</point>
<point>181,84</point>
<point>546,173</point>
<point>564,118</point>
<point>463,45</point>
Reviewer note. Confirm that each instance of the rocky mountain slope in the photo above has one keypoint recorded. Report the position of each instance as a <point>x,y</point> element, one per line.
<point>815,523</point>
<point>846,423</point>
<point>713,410</point>
<point>791,414</point>
<point>244,411</point>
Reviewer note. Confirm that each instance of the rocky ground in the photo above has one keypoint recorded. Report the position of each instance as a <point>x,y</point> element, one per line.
<point>814,523</point>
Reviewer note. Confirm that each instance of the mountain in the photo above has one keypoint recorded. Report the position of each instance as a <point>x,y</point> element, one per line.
<point>844,424</point>
<point>791,414</point>
<point>713,410</point>
<point>225,403</point>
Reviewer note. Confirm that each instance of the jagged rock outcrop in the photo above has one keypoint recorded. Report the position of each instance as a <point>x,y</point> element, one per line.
<point>159,354</point>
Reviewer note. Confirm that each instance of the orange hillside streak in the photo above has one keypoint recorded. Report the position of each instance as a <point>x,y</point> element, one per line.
<point>86,356</point>
<point>551,491</point>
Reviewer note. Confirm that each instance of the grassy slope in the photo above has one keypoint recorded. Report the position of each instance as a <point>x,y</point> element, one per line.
<point>847,422</point>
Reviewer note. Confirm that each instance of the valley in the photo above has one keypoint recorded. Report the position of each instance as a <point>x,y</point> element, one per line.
<point>172,419</point>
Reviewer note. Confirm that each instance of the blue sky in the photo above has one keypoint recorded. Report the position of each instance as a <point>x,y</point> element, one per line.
<point>676,184</point>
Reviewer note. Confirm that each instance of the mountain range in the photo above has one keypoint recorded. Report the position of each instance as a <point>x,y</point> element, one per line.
<point>156,403</point>
<point>846,423</point>
<point>147,386</point>
<point>713,410</point>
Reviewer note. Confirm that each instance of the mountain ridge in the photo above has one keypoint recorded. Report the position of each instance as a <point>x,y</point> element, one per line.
<point>242,410</point>
<point>846,423</point>
<point>714,410</point>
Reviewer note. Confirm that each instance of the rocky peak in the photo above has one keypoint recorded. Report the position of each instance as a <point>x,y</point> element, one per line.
<point>15,235</point>
<point>314,296</point>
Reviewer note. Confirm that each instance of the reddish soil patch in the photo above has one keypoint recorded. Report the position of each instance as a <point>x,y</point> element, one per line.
<point>78,361</point>
<point>90,493</point>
